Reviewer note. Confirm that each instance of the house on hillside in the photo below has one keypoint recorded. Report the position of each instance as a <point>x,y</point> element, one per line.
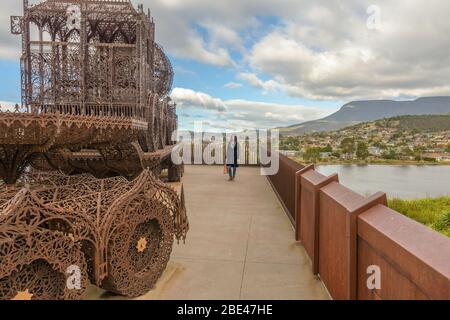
<point>439,157</point>
<point>325,155</point>
<point>290,153</point>
<point>375,151</point>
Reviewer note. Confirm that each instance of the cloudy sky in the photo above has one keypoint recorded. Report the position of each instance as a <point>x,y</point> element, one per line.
<point>265,63</point>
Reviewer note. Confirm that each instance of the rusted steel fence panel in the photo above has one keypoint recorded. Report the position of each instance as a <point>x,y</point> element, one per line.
<point>339,209</point>
<point>414,261</point>
<point>310,184</point>
<point>284,184</point>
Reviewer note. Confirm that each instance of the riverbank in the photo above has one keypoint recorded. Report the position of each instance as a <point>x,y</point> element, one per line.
<point>376,162</point>
<point>432,212</point>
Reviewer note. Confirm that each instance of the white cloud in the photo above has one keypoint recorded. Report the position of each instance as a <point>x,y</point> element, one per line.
<point>232,85</point>
<point>331,54</point>
<point>201,30</point>
<point>186,98</point>
<point>285,118</point>
<point>266,86</point>
<point>221,35</point>
<point>241,114</point>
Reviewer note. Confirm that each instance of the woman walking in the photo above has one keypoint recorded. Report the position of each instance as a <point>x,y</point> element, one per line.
<point>233,152</point>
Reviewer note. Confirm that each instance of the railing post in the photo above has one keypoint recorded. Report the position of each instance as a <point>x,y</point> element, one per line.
<point>298,195</point>
<point>311,183</point>
<point>352,229</point>
<point>338,246</point>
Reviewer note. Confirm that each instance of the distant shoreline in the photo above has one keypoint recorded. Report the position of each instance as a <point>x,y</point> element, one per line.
<point>374,162</point>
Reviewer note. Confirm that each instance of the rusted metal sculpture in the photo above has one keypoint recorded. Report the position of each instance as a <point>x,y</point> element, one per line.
<point>94,94</point>
<point>96,111</point>
<point>125,229</point>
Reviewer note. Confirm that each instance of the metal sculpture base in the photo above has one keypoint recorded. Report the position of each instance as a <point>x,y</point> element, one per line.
<point>119,234</point>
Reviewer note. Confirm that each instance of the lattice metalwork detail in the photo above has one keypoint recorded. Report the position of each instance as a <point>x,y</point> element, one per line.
<point>34,258</point>
<point>16,25</point>
<point>101,220</point>
<point>163,72</point>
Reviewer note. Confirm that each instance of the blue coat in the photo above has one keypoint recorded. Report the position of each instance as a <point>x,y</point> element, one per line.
<point>230,154</point>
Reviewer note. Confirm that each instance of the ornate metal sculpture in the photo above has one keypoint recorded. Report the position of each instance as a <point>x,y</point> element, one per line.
<point>92,79</point>
<point>95,110</point>
<point>110,220</point>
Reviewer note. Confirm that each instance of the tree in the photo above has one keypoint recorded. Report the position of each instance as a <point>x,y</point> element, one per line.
<point>336,154</point>
<point>397,135</point>
<point>407,152</point>
<point>348,147</point>
<point>380,145</point>
<point>328,148</point>
<point>418,151</point>
<point>289,143</point>
<point>390,155</point>
<point>312,154</point>
<point>362,151</point>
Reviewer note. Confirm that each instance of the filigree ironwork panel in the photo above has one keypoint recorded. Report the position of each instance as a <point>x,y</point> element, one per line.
<point>125,230</point>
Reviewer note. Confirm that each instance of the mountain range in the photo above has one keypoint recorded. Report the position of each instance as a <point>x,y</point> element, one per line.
<point>364,111</point>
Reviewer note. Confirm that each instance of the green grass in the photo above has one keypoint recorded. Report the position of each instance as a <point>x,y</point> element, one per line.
<point>433,212</point>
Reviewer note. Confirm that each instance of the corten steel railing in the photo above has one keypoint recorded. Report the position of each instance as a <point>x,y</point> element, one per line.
<point>345,233</point>
<point>284,184</point>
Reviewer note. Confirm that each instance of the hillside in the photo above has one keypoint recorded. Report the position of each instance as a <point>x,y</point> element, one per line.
<point>425,123</point>
<point>364,111</point>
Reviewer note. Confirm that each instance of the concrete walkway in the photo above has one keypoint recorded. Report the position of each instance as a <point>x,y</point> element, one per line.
<point>241,244</point>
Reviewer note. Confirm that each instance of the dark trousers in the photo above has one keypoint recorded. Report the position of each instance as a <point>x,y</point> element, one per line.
<point>232,171</point>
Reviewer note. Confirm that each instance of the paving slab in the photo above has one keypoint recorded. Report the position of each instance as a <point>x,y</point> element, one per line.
<point>241,244</point>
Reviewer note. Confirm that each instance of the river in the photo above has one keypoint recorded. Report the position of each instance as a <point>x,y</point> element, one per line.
<point>407,182</point>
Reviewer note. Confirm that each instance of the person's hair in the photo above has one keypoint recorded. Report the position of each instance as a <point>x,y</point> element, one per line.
<point>235,139</point>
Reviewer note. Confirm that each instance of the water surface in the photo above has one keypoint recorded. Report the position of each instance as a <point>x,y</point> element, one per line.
<point>407,182</point>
